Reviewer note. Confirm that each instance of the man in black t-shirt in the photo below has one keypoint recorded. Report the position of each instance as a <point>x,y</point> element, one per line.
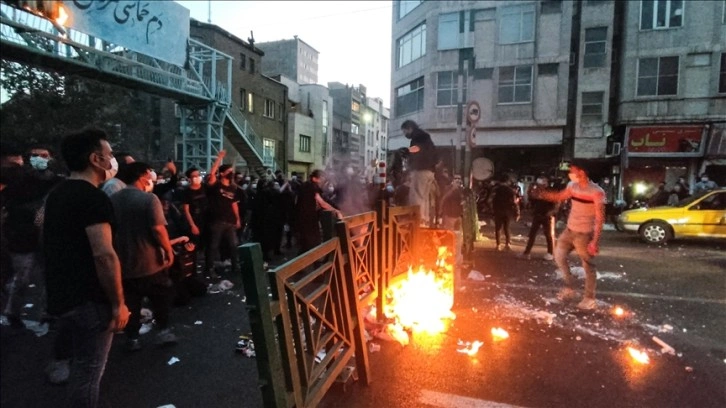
<point>194,207</point>
<point>83,272</point>
<point>308,202</point>
<point>223,217</point>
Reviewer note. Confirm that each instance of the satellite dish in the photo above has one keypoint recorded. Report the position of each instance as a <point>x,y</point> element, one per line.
<point>482,168</point>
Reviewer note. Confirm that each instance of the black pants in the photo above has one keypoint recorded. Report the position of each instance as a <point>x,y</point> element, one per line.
<point>501,221</point>
<point>160,291</point>
<point>221,233</point>
<point>547,222</point>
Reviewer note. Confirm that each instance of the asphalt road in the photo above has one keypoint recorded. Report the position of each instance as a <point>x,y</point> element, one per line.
<point>556,356</point>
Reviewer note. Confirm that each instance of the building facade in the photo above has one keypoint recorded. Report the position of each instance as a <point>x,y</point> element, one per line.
<point>293,58</point>
<point>558,80</point>
<point>512,57</point>
<point>259,98</point>
<point>374,128</point>
<point>309,132</point>
<point>347,118</point>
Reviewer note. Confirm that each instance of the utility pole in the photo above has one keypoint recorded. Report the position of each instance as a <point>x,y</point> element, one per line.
<point>209,11</point>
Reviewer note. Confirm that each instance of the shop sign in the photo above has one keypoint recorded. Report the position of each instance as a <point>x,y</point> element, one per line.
<point>665,141</point>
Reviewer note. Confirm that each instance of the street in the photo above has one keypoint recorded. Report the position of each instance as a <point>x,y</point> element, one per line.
<point>555,355</point>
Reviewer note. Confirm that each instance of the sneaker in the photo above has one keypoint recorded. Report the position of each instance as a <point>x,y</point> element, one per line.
<point>133,345</point>
<point>548,257</point>
<point>587,304</point>
<point>566,294</point>
<point>523,256</point>
<point>500,247</point>
<point>58,371</point>
<point>166,336</point>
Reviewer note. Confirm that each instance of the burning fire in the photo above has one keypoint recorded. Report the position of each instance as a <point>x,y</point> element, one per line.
<point>499,334</point>
<point>639,356</point>
<point>422,301</point>
<point>62,15</point>
<point>471,348</point>
<point>618,311</point>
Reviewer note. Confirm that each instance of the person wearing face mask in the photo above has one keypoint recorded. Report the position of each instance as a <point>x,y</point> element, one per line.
<point>114,184</point>
<point>543,215</point>
<point>223,217</point>
<point>706,184</point>
<point>23,200</point>
<point>83,272</point>
<point>143,246</point>
<point>194,207</point>
<point>584,227</point>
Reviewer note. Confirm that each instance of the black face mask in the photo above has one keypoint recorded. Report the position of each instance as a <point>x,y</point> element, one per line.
<point>230,177</point>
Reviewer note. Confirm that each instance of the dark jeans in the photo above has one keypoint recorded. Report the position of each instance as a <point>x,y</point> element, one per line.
<point>88,325</point>
<point>160,291</point>
<point>221,232</point>
<point>502,222</point>
<point>548,229</point>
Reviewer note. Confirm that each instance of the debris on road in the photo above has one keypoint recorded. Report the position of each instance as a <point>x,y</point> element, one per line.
<point>665,347</point>
<point>476,275</point>
<point>173,361</point>
<point>246,346</point>
<point>220,287</point>
<point>499,334</point>
<point>470,348</point>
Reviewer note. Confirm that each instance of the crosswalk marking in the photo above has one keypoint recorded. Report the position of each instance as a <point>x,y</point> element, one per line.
<point>438,399</point>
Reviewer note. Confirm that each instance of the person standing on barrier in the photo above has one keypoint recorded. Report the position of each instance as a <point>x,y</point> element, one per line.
<point>584,227</point>
<point>421,162</point>
<point>309,201</point>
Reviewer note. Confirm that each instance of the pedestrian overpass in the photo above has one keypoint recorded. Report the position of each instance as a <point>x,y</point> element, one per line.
<point>203,100</point>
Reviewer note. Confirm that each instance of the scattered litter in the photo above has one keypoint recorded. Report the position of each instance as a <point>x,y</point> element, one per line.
<point>173,361</point>
<point>578,338</point>
<point>146,315</point>
<point>499,334</point>
<point>320,356</point>
<point>28,306</point>
<point>666,328</point>
<point>146,327</point>
<point>665,348</point>
<point>32,285</point>
<point>246,346</point>
<point>476,275</point>
<point>167,406</point>
<point>198,322</point>
<point>374,347</point>
<point>220,287</point>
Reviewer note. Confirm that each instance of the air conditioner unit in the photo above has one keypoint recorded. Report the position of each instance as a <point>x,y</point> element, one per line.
<point>616,149</point>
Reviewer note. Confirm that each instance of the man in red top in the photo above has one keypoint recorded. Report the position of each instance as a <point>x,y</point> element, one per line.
<point>584,227</point>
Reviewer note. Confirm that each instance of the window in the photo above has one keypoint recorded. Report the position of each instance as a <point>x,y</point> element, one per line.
<point>412,45</point>
<point>252,66</point>
<point>242,61</point>
<point>305,143</point>
<point>592,106</point>
<point>355,106</point>
<point>268,152</point>
<point>658,76</point>
<point>449,31</point>
<point>515,84</point>
<point>325,119</point>
<point>410,97</point>
<point>595,47</point>
<point>516,24</point>
<point>250,103</point>
<point>656,14</point>
<point>280,112</point>
<point>447,87</point>
<point>242,98</point>
<point>269,111</point>
<point>354,128</point>
<point>407,6</point>
<point>722,74</point>
<point>551,6</point>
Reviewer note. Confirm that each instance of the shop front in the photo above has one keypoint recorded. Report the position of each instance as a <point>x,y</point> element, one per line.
<point>657,154</point>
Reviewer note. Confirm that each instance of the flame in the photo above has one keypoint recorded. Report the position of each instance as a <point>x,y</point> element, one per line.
<point>471,348</point>
<point>499,334</point>
<point>62,15</point>
<point>639,356</point>
<point>618,311</point>
<point>422,301</point>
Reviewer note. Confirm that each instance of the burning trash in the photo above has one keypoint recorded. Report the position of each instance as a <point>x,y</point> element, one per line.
<point>639,356</point>
<point>499,334</point>
<point>470,348</point>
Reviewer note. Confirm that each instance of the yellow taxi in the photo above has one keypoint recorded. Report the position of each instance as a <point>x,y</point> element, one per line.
<point>702,215</point>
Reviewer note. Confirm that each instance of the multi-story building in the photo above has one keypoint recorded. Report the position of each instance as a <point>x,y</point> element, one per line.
<point>293,58</point>
<point>560,80</point>
<point>671,103</point>
<point>309,132</point>
<point>347,116</point>
<point>512,57</point>
<point>259,99</point>
<point>374,127</point>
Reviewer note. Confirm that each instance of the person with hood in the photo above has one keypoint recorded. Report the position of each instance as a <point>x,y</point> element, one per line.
<point>421,163</point>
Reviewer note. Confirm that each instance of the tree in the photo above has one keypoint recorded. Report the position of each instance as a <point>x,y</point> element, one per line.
<point>45,105</point>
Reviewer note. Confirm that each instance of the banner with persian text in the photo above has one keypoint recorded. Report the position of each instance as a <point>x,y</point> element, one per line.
<point>665,141</point>
<point>159,29</point>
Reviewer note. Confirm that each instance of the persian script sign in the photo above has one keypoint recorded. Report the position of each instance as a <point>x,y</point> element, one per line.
<point>665,140</point>
<point>159,29</point>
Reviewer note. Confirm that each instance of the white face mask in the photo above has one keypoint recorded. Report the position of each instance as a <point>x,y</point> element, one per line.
<point>331,189</point>
<point>111,173</point>
<point>39,163</point>
<point>197,180</point>
<point>184,183</point>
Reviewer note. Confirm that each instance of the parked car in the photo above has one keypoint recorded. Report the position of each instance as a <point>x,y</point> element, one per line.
<point>702,215</point>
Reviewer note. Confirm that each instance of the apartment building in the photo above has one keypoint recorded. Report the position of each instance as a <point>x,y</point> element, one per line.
<point>347,118</point>
<point>558,80</point>
<point>309,132</point>
<point>293,58</point>
<point>374,128</point>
